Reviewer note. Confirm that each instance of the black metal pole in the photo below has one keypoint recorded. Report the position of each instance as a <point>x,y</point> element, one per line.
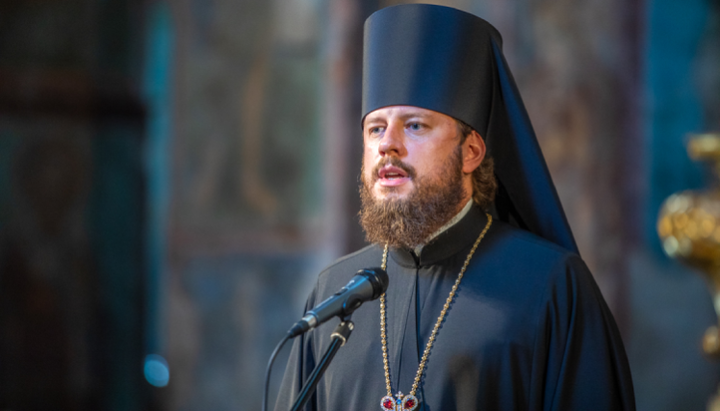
<point>339,337</point>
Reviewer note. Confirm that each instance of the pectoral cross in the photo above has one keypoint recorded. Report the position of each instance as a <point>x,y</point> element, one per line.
<point>399,403</point>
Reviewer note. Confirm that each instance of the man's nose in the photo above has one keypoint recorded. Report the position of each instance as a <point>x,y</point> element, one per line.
<point>393,141</point>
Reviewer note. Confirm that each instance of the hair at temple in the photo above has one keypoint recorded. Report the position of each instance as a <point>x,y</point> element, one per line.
<point>483,178</point>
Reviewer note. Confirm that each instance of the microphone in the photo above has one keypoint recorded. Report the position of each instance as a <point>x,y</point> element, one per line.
<point>366,285</point>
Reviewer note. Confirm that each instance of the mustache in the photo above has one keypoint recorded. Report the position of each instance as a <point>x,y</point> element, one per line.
<point>395,162</point>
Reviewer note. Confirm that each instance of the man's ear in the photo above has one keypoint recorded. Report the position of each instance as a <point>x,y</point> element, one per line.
<point>473,150</point>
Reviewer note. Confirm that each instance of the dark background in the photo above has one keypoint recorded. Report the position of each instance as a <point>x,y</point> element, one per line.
<point>174,174</point>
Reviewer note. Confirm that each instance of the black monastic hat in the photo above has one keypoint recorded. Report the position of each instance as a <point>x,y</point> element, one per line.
<point>449,61</point>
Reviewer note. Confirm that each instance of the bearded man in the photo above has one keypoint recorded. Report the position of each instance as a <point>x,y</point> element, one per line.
<point>489,306</point>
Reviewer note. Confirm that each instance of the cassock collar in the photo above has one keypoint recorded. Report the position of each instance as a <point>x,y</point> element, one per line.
<point>452,222</point>
<point>447,243</point>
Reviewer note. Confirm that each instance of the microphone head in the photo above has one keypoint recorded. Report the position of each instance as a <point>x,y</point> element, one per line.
<point>378,278</point>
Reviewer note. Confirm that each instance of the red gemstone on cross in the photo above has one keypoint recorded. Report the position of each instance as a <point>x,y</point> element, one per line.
<point>388,404</point>
<point>409,404</point>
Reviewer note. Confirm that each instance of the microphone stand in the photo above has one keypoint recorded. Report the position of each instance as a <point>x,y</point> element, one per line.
<point>339,337</point>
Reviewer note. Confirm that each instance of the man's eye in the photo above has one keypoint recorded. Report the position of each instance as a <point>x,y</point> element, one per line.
<point>415,126</point>
<point>375,130</point>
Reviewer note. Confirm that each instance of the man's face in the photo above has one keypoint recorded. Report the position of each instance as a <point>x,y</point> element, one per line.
<point>404,144</point>
<point>413,175</point>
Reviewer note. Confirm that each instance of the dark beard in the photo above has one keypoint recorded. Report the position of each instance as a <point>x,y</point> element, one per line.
<point>409,222</point>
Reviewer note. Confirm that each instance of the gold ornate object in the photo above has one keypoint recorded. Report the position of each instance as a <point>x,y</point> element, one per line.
<point>714,403</point>
<point>409,402</point>
<point>689,228</point>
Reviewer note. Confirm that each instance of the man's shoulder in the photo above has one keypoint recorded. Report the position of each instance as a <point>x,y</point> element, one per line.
<point>346,266</point>
<point>529,268</point>
<point>523,246</point>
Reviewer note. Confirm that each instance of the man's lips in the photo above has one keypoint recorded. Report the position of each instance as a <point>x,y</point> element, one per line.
<point>391,176</point>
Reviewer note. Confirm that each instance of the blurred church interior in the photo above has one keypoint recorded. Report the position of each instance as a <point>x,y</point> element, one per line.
<point>175,173</point>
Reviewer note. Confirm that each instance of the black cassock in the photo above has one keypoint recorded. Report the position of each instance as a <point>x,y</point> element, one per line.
<point>528,330</point>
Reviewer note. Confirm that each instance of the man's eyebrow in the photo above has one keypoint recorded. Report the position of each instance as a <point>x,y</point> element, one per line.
<point>370,118</point>
<point>404,117</point>
<point>414,114</point>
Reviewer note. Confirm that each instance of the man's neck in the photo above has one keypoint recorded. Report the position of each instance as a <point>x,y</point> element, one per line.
<point>449,224</point>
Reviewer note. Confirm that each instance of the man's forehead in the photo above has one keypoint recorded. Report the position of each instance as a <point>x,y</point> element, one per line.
<point>402,112</point>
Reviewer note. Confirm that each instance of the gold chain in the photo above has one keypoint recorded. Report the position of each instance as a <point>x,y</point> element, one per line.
<point>435,330</point>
